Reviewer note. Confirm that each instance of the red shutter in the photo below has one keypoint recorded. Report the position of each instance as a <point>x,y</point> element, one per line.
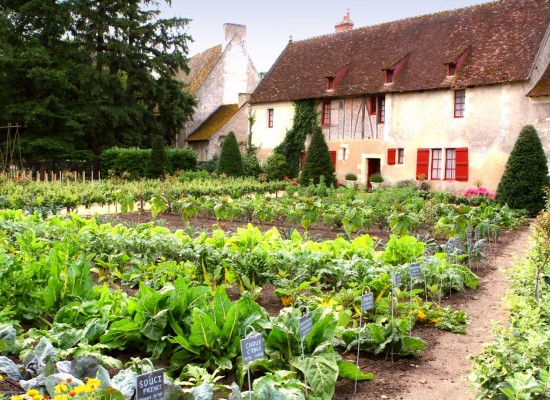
<point>462,164</point>
<point>333,156</point>
<point>391,156</point>
<point>422,163</point>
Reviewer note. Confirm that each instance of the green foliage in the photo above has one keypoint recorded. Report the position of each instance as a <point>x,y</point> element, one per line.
<point>305,122</point>
<point>180,159</point>
<point>318,162</point>
<point>525,175</point>
<point>276,167</point>
<point>251,166</point>
<point>230,162</point>
<point>79,78</point>
<point>158,161</point>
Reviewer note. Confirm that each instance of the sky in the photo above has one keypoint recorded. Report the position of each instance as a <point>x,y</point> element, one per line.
<point>269,24</point>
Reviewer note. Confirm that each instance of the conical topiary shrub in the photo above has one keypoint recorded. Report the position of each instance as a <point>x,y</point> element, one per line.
<point>525,175</point>
<point>159,161</point>
<point>318,161</point>
<point>230,163</point>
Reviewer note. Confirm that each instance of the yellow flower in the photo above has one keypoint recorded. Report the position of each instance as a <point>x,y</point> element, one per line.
<point>61,388</point>
<point>32,392</point>
<point>1,377</point>
<point>17,397</point>
<point>80,389</point>
<point>60,397</point>
<point>37,397</point>
<point>93,384</point>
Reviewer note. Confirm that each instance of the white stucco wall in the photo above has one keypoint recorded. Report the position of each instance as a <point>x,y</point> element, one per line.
<point>267,138</point>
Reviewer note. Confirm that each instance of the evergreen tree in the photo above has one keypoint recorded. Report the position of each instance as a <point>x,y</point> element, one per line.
<point>318,161</point>
<point>158,162</point>
<point>305,121</point>
<point>525,175</point>
<point>80,76</point>
<point>230,163</point>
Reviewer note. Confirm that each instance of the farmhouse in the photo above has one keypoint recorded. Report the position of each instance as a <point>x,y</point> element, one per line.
<point>222,79</point>
<point>440,97</point>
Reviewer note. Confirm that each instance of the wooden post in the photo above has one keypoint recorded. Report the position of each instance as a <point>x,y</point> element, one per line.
<point>83,176</point>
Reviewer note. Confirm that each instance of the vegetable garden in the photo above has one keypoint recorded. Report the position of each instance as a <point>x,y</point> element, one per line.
<point>83,302</point>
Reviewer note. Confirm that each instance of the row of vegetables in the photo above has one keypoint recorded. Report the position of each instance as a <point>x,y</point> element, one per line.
<point>66,283</point>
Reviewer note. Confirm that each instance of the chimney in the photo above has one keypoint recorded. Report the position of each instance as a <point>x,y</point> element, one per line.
<point>233,32</point>
<point>345,25</point>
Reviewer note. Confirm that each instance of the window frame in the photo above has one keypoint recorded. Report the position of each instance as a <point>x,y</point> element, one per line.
<point>450,164</point>
<point>451,69</point>
<point>389,76</point>
<point>330,83</point>
<point>459,103</point>
<point>325,113</point>
<point>400,159</point>
<point>381,108</point>
<point>436,167</point>
<point>270,117</point>
<point>372,105</point>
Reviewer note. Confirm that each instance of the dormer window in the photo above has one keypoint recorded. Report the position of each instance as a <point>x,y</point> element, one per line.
<point>330,83</point>
<point>451,69</point>
<point>334,80</point>
<point>389,76</point>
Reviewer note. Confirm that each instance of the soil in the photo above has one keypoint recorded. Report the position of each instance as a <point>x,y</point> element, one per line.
<point>441,370</point>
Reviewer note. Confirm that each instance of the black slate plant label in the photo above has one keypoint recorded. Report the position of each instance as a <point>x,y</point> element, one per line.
<point>415,270</point>
<point>397,280</point>
<point>252,348</point>
<point>306,323</point>
<point>367,302</point>
<point>150,386</point>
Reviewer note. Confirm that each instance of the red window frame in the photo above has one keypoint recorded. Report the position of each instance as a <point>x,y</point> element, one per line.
<point>325,114</point>
<point>400,156</point>
<point>451,69</point>
<point>372,105</point>
<point>389,76</point>
<point>437,160</point>
<point>330,83</point>
<point>381,109</point>
<point>450,164</point>
<point>460,103</point>
<point>270,115</point>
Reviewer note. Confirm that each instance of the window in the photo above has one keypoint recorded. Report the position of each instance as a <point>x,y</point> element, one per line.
<point>436,164</point>
<point>381,109</point>
<point>455,162</point>
<point>325,114</point>
<point>270,117</point>
<point>460,103</point>
<point>330,83</point>
<point>372,105</point>
<point>389,76</point>
<point>400,156</point>
<point>450,164</point>
<point>451,69</point>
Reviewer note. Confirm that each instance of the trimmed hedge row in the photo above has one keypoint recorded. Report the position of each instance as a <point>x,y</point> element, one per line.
<point>136,162</point>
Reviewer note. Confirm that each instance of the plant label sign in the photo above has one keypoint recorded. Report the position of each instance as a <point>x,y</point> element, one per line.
<point>477,233</point>
<point>367,302</point>
<point>397,280</point>
<point>415,270</point>
<point>306,323</point>
<point>252,348</point>
<point>150,386</point>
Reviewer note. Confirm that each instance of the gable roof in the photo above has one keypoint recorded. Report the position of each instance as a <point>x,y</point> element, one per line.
<point>542,88</point>
<point>214,123</point>
<point>200,66</point>
<point>501,40</point>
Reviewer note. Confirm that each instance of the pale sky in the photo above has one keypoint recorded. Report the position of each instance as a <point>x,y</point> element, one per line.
<point>270,23</point>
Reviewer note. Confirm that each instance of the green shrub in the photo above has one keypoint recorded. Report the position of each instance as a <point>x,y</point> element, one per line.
<point>350,176</point>
<point>376,178</point>
<point>181,159</point>
<point>230,163</point>
<point>318,162</point>
<point>525,174</point>
<point>158,162</point>
<point>251,166</point>
<point>188,176</point>
<point>117,160</point>
<point>276,167</point>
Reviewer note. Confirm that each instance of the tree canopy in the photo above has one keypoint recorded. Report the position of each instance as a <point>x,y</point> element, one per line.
<point>80,76</point>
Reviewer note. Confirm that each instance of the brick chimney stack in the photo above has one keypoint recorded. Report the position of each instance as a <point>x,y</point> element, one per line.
<point>345,25</point>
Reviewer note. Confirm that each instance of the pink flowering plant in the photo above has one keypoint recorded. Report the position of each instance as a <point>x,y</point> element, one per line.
<point>479,191</point>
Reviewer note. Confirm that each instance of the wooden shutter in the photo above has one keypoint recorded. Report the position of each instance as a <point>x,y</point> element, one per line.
<point>462,164</point>
<point>422,163</point>
<point>333,156</point>
<point>391,156</point>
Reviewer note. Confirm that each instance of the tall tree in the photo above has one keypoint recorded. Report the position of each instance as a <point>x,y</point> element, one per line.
<point>526,174</point>
<point>84,75</point>
<point>318,162</point>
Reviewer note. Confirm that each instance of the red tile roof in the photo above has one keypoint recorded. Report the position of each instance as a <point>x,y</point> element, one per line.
<point>502,39</point>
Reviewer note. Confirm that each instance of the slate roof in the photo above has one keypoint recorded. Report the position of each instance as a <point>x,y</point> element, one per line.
<point>214,123</point>
<point>200,66</point>
<point>501,38</point>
